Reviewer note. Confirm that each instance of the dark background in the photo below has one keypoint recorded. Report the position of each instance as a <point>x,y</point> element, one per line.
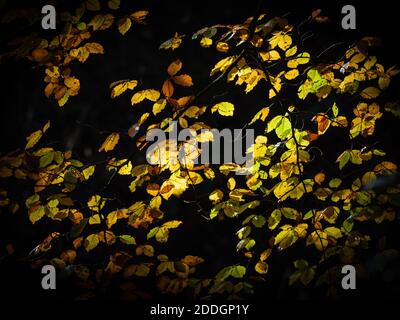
<point>24,108</point>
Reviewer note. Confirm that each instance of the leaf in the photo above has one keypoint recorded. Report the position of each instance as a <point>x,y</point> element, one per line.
<point>206,42</point>
<point>368,177</point>
<point>120,87</point>
<point>96,203</point>
<point>261,267</point>
<point>335,182</point>
<point>127,239</point>
<point>172,43</point>
<point>34,137</point>
<point>113,4</point>
<point>260,115</point>
<point>301,58</point>
<point>183,80</point>
<point>88,172</point>
<point>274,219</point>
<point>319,239</point>
<point>272,55</point>
<point>46,159</point>
<point>343,159</point>
<point>172,224</point>
<point>168,88</point>
<point>234,271</point>
<point>174,67</point>
<point>91,242</point>
<point>139,16</point>
<point>224,108</point>
<point>231,183</point>
<point>192,260</point>
<point>216,196</point>
<point>333,232</point>
<point>101,21</point>
<point>159,106</point>
<point>93,5</point>
<point>370,93</point>
<point>281,40</point>
<point>36,213</point>
<point>110,142</point>
<point>94,47</point>
<point>292,74</point>
<point>319,178</point>
<point>124,25</point>
<point>149,94</point>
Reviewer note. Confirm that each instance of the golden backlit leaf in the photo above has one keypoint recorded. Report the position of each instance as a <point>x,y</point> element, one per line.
<point>34,137</point>
<point>110,142</point>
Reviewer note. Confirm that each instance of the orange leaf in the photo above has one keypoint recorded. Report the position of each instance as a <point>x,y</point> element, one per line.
<point>183,80</point>
<point>174,67</point>
<point>168,88</point>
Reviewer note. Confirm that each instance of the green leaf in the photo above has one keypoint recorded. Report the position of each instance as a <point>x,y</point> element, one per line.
<point>46,159</point>
<point>91,242</point>
<point>127,239</point>
<point>77,229</point>
<point>274,219</point>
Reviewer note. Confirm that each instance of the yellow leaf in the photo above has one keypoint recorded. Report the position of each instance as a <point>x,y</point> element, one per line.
<point>153,189</point>
<point>88,172</point>
<point>222,65</point>
<point>368,177</point>
<point>206,42</point>
<point>370,93</point>
<point>72,83</point>
<point>231,183</point>
<point>172,224</point>
<point>301,58</point>
<point>216,196</point>
<point>95,219</point>
<point>281,40</point>
<point>270,55</point>
<point>262,115</point>
<point>222,47</point>
<point>126,169</point>
<point>149,94</point>
<point>159,106</point>
<point>292,74</point>
<point>174,67</point>
<point>292,51</point>
<point>91,242</point>
<point>34,137</point>
<point>94,47</point>
<point>36,213</point>
<point>112,218</point>
<point>110,142</point>
<point>120,87</point>
<point>95,203</point>
<point>261,267</point>
<point>166,189</point>
<point>124,25</point>
<point>319,239</point>
<point>224,108</point>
